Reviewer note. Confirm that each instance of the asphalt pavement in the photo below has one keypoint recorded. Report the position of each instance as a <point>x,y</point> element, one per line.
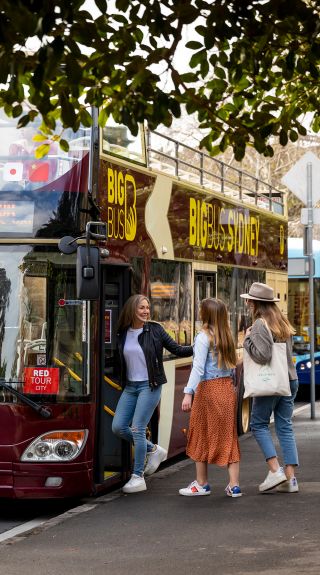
<point>158,532</point>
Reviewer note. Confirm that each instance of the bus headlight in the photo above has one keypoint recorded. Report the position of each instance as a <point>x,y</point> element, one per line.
<point>56,446</point>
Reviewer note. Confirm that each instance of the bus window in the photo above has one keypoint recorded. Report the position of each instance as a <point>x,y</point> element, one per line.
<point>21,170</point>
<point>298,313</point>
<point>204,287</point>
<point>170,295</point>
<point>231,283</point>
<point>41,348</point>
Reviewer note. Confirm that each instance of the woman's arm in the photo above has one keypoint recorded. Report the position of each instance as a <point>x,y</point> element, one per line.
<point>258,343</point>
<point>201,348</point>
<point>172,346</point>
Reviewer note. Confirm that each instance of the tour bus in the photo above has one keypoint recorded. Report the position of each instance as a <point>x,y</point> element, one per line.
<point>299,310</point>
<point>80,231</point>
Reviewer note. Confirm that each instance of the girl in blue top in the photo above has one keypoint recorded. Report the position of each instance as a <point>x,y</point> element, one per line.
<point>211,397</point>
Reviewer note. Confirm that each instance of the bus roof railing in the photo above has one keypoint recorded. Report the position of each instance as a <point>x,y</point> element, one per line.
<point>210,173</point>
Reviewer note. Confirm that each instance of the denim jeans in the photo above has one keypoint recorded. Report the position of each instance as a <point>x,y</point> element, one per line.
<point>134,410</point>
<point>282,407</point>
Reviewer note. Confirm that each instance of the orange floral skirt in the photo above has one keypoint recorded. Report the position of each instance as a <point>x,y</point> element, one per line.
<point>212,435</point>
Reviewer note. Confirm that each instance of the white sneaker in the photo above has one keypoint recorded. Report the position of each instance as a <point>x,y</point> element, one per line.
<point>273,479</point>
<point>289,486</point>
<point>154,458</point>
<point>135,484</point>
<point>195,489</point>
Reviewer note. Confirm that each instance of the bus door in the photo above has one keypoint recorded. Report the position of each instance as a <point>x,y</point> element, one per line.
<point>113,454</point>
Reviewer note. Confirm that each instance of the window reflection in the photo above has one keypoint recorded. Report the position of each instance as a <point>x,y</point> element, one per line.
<point>20,170</point>
<point>231,283</point>
<point>40,321</point>
<point>170,295</point>
<point>204,287</point>
<point>117,140</point>
<point>298,313</point>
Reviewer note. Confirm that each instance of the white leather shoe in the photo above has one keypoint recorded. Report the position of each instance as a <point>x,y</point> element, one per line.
<point>135,484</point>
<point>273,479</point>
<point>154,458</point>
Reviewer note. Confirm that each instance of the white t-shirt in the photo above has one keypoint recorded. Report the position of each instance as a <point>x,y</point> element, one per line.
<point>134,356</point>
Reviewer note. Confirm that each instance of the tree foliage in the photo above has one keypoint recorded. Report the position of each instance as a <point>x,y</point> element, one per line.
<point>254,66</point>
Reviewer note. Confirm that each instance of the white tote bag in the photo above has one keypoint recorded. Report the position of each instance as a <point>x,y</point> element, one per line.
<point>269,379</point>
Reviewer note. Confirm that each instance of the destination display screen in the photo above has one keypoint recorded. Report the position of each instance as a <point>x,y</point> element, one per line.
<point>16,217</point>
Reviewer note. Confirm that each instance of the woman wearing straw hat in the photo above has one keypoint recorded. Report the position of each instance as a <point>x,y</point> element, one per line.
<point>258,343</point>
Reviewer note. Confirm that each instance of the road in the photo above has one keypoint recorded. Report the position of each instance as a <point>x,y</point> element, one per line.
<point>19,516</point>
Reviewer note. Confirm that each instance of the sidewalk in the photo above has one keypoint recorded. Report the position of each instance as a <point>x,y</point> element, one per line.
<point>159,532</point>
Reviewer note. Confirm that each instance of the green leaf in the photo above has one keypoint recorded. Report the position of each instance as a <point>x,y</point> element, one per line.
<point>122,5</point>
<point>189,77</point>
<point>293,135</point>
<point>316,124</point>
<point>17,111</point>
<point>197,58</point>
<point>24,120</point>
<point>39,138</point>
<point>42,151</point>
<point>201,30</point>
<point>215,151</point>
<point>239,152</point>
<point>102,5</point>
<point>302,130</point>
<point>85,118</point>
<point>217,85</point>
<point>64,145</point>
<point>283,138</point>
<point>103,117</point>
<point>204,68</point>
<point>220,72</point>
<point>224,142</point>
<point>192,45</point>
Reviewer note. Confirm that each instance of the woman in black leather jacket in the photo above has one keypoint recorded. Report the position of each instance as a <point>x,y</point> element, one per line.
<point>140,346</point>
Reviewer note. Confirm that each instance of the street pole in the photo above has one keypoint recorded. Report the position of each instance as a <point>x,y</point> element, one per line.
<point>311,289</point>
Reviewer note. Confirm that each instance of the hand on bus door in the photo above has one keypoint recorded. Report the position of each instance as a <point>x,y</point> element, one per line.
<point>187,402</point>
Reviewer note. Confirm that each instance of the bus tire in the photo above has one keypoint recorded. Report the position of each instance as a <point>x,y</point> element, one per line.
<point>244,406</point>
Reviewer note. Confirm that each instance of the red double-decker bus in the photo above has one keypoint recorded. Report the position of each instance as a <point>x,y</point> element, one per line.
<point>80,231</point>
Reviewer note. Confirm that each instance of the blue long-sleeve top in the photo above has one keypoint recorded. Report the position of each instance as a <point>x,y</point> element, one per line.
<point>205,363</point>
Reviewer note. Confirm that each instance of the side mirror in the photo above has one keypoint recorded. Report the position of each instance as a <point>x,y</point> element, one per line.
<point>88,259</point>
<point>88,272</point>
<point>68,245</point>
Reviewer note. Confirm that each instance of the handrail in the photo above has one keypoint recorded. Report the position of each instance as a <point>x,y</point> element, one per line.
<point>244,187</point>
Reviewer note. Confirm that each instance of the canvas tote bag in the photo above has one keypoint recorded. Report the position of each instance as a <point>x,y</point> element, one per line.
<point>269,379</point>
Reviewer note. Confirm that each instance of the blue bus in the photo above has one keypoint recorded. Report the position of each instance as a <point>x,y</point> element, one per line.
<point>298,307</point>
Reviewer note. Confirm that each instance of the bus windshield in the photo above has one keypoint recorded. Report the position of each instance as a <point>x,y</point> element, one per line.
<point>37,193</point>
<point>41,348</point>
<point>299,314</point>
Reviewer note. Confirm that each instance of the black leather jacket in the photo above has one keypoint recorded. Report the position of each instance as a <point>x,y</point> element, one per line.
<point>152,340</point>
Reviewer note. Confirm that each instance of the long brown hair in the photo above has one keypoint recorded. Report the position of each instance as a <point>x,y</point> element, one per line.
<point>128,312</point>
<point>214,316</point>
<point>276,320</point>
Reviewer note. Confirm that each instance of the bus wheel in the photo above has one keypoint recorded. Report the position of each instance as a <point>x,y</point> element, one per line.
<point>244,410</point>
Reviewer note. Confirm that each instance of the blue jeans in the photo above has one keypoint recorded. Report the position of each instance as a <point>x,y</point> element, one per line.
<point>282,407</point>
<point>134,410</point>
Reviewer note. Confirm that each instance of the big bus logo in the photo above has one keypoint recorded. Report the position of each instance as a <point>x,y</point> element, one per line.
<point>212,226</point>
<point>122,211</point>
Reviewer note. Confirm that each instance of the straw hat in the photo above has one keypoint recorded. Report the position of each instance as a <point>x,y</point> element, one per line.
<point>260,292</point>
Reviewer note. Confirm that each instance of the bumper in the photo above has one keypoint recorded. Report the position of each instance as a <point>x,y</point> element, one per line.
<point>29,481</point>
